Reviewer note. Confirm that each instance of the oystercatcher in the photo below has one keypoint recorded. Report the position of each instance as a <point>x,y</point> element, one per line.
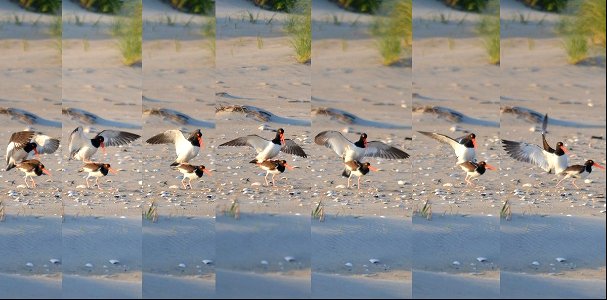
<point>83,148</point>
<point>23,144</point>
<point>579,171</point>
<point>31,168</point>
<point>191,172</point>
<point>96,170</point>
<point>464,147</point>
<point>268,149</point>
<point>185,148</point>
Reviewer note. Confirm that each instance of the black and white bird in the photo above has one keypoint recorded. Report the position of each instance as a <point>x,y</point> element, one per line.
<point>268,149</point>
<point>83,148</point>
<point>96,170</point>
<point>358,169</point>
<point>32,168</point>
<point>191,172</point>
<point>551,160</point>
<point>358,150</point>
<point>579,171</point>
<point>274,167</point>
<point>474,170</point>
<point>464,147</point>
<point>24,145</point>
<point>185,148</point>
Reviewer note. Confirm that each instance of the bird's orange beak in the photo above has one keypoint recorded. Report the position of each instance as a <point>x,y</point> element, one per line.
<point>474,143</point>
<point>289,166</point>
<point>45,171</point>
<point>282,139</point>
<point>564,149</point>
<point>113,171</point>
<point>103,148</point>
<point>373,169</point>
<point>205,171</point>
<point>200,142</point>
<point>598,166</point>
<point>365,142</point>
<point>490,167</point>
<point>37,153</point>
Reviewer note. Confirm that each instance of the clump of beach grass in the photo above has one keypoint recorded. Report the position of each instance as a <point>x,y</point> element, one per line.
<point>319,212</point>
<point>425,211</point>
<point>506,212</point>
<point>488,29</point>
<point>128,29</point>
<point>582,29</point>
<point>299,28</point>
<point>152,213</point>
<point>233,211</point>
<point>392,29</point>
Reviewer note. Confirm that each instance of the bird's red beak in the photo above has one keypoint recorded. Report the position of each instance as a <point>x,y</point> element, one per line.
<point>113,171</point>
<point>37,153</point>
<point>373,169</point>
<point>45,171</point>
<point>490,167</point>
<point>564,149</point>
<point>103,148</point>
<point>207,172</point>
<point>200,142</point>
<point>282,139</point>
<point>289,166</point>
<point>598,166</point>
<point>365,142</point>
<point>474,143</point>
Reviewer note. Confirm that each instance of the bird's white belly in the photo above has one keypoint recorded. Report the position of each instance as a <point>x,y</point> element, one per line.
<point>190,175</point>
<point>354,153</point>
<point>274,172</point>
<point>85,153</point>
<point>357,173</point>
<point>473,174</point>
<point>268,152</point>
<point>465,154</point>
<point>561,163</point>
<point>187,153</point>
<point>96,174</point>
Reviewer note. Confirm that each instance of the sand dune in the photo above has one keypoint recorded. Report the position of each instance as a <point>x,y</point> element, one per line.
<point>344,117</point>
<point>534,117</point>
<point>176,117</point>
<point>257,114</point>
<point>88,118</point>
<point>28,118</point>
<point>453,116</point>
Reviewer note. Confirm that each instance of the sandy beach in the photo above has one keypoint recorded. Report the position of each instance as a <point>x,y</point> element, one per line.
<point>141,234</point>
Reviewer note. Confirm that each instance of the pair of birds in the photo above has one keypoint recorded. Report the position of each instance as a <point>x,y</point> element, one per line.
<point>465,150</point>
<point>24,145</point>
<point>551,160</point>
<point>351,153</point>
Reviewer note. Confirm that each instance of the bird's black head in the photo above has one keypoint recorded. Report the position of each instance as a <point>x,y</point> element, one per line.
<point>29,147</point>
<point>560,149</point>
<point>589,162</point>
<point>98,141</point>
<point>472,136</point>
<point>362,141</point>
